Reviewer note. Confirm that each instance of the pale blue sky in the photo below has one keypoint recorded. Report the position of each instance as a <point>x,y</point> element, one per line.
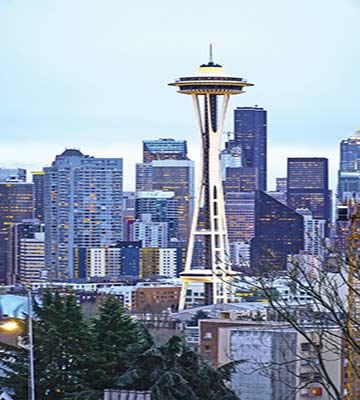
<point>93,74</point>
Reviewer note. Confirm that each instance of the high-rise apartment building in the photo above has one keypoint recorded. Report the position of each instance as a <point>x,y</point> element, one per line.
<point>164,149</point>
<point>279,231</point>
<point>16,204</point>
<point>83,207</point>
<point>314,234</point>
<point>38,180</point>
<point>156,261</point>
<point>250,133</point>
<point>308,186</point>
<point>150,233</point>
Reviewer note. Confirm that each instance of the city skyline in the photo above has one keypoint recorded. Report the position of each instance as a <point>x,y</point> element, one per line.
<point>66,88</point>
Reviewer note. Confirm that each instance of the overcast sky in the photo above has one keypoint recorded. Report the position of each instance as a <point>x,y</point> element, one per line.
<point>93,74</point>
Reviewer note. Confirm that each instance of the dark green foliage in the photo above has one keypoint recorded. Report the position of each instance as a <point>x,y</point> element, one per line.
<point>61,338</point>
<point>176,372</point>
<point>117,339</point>
<point>78,360</point>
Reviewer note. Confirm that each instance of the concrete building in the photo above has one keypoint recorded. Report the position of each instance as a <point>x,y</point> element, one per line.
<point>280,363</point>
<point>159,261</point>
<point>32,259</point>
<point>151,234</point>
<point>25,229</point>
<point>83,207</point>
<point>314,234</point>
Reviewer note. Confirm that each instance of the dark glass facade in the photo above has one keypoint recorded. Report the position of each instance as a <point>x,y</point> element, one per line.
<point>308,186</point>
<point>279,231</point>
<point>240,216</point>
<point>241,179</point>
<point>16,204</point>
<point>250,132</point>
<point>38,179</point>
<point>130,257</point>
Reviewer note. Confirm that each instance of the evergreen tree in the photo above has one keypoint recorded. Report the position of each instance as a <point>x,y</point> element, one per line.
<point>117,338</point>
<point>61,338</point>
<point>176,372</point>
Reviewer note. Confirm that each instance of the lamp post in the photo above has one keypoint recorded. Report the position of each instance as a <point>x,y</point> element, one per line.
<point>31,349</point>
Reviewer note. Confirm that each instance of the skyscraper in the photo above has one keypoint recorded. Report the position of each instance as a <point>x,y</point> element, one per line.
<point>83,207</point>
<point>38,179</point>
<point>210,85</point>
<point>349,172</point>
<point>32,259</point>
<point>241,179</point>
<point>240,216</point>
<point>18,231</point>
<point>164,149</point>
<point>279,231</point>
<point>16,204</point>
<point>250,133</point>
<point>308,186</point>
<point>177,176</point>
<point>162,206</point>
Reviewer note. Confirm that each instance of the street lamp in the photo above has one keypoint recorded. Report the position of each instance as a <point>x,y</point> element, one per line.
<point>9,326</point>
<point>31,348</point>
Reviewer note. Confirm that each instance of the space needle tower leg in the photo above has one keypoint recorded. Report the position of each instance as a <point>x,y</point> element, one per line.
<point>216,273</point>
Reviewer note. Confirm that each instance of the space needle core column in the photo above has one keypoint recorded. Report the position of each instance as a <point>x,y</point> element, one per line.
<point>216,273</point>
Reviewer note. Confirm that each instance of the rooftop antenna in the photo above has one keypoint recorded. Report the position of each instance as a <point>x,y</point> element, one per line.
<point>211,59</point>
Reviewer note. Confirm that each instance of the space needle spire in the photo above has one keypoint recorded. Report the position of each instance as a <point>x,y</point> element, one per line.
<point>209,86</point>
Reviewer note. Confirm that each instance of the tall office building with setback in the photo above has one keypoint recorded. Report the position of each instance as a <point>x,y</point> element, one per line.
<point>308,186</point>
<point>250,132</point>
<point>166,167</point>
<point>83,207</point>
<point>16,204</point>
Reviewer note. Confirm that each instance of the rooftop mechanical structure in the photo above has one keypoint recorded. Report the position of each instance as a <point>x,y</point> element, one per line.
<point>209,86</point>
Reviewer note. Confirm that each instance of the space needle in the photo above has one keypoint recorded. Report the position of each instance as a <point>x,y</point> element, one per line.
<point>212,88</point>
